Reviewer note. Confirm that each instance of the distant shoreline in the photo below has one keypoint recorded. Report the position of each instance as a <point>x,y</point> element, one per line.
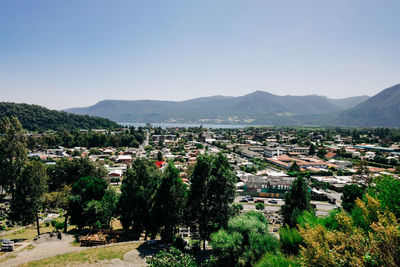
<point>187,125</point>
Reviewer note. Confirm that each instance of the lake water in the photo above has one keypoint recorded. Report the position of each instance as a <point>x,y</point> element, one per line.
<point>187,125</point>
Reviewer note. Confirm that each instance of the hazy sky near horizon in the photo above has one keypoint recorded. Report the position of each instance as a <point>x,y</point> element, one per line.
<point>62,54</point>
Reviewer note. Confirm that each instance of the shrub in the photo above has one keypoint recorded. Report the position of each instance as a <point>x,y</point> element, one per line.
<point>260,206</point>
<point>59,226</point>
<point>245,240</point>
<point>290,240</point>
<point>172,257</point>
<point>277,260</point>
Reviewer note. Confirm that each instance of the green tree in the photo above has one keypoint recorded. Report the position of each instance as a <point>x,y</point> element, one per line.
<point>29,190</point>
<point>387,190</point>
<point>350,194</point>
<point>260,206</point>
<point>108,206</point>
<point>58,200</point>
<point>13,152</point>
<point>321,153</point>
<point>244,241</point>
<point>67,172</point>
<point>211,193</point>
<point>159,156</point>
<point>137,189</point>
<point>169,203</point>
<point>81,208</point>
<point>296,201</point>
<point>172,257</point>
<point>102,212</point>
<point>294,167</point>
<point>311,151</point>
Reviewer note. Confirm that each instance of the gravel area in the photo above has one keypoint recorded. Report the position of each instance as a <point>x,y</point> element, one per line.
<point>45,247</point>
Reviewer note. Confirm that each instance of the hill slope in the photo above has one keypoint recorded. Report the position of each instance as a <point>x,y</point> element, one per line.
<point>383,109</point>
<point>349,102</point>
<point>37,118</point>
<point>256,108</point>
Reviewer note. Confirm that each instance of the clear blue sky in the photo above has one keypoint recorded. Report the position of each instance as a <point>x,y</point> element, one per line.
<point>62,54</point>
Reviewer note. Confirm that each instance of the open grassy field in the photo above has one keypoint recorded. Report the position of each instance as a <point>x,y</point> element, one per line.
<point>86,256</point>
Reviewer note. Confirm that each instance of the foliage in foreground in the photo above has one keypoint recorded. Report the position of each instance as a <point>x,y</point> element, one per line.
<point>172,257</point>
<point>290,240</point>
<point>244,241</point>
<point>370,237</point>
<point>277,260</point>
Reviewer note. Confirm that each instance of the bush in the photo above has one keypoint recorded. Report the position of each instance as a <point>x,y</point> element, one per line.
<point>260,206</point>
<point>47,223</point>
<point>276,260</point>
<point>290,240</point>
<point>179,243</point>
<point>309,219</point>
<point>59,226</point>
<point>172,257</point>
<point>195,244</point>
<point>53,223</point>
<point>245,240</point>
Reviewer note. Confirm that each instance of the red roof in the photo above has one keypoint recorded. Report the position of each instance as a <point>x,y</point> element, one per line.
<point>159,164</point>
<point>330,155</point>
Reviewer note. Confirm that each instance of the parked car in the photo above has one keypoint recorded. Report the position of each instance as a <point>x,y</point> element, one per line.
<point>244,200</point>
<point>273,201</point>
<point>258,200</point>
<point>250,198</point>
<point>7,245</point>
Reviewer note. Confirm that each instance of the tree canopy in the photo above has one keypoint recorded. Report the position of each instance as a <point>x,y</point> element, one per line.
<point>29,190</point>
<point>296,201</point>
<point>211,193</point>
<point>137,190</point>
<point>13,151</point>
<point>37,118</point>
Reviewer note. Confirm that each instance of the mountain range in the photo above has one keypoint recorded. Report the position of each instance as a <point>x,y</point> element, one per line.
<point>258,108</point>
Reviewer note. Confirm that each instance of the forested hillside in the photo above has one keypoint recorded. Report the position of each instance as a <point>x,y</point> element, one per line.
<point>37,118</point>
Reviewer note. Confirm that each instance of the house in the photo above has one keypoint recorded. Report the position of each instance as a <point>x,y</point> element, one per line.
<point>300,150</point>
<point>161,164</point>
<point>115,175</point>
<point>126,159</point>
<point>271,152</point>
<point>370,155</point>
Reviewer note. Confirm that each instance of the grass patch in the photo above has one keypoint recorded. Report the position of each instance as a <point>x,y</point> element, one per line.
<point>86,256</point>
<point>10,256</point>
<point>31,232</point>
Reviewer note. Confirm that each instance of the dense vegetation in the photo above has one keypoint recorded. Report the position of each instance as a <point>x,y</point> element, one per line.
<point>128,138</point>
<point>37,118</point>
